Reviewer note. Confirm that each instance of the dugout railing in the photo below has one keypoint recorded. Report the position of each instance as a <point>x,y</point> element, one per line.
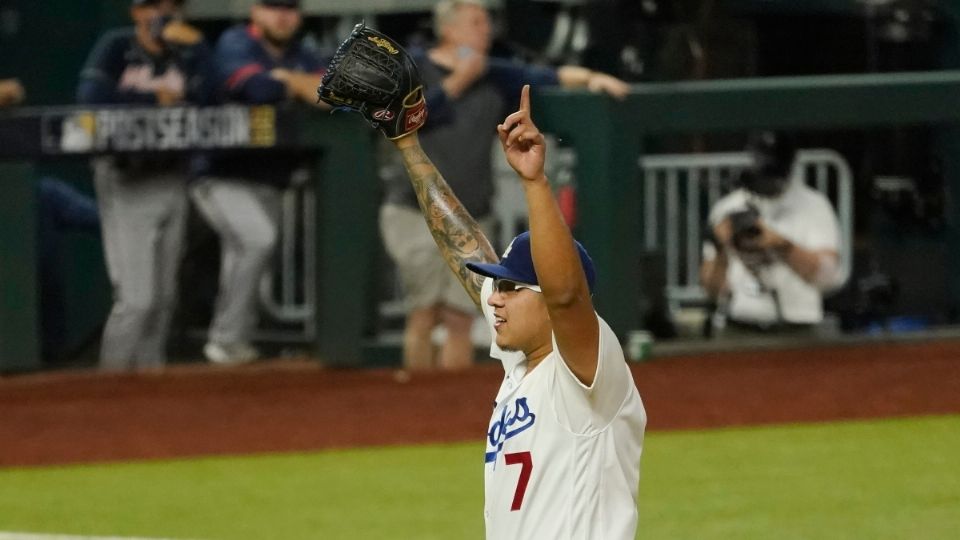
<point>680,189</point>
<point>343,177</point>
<point>287,294</point>
<point>608,137</point>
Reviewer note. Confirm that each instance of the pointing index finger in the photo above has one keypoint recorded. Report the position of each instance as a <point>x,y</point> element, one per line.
<point>525,98</point>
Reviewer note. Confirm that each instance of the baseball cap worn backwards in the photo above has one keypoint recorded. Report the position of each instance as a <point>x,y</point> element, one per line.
<point>517,263</point>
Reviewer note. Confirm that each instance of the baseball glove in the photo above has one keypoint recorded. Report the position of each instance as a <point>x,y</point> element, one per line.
<point>372,74</point>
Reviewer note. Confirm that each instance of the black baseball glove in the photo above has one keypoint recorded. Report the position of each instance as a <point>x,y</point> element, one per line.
<point>372,74</point>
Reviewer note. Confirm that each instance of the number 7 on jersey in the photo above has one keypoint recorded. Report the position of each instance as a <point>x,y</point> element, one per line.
<point>526,467</point>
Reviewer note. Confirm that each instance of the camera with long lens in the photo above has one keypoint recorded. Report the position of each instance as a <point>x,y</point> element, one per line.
<point>745,226</point>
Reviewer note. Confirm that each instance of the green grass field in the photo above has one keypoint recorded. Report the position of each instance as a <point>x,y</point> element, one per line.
<point>858,480</point>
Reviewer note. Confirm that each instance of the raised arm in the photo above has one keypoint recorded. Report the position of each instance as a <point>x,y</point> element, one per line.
<point>456,233</point>
<point>358,73</point>
<point>555,257</point>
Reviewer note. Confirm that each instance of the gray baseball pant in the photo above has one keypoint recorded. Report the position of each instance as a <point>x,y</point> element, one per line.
<point>245,216</point>
<point>143,215</point>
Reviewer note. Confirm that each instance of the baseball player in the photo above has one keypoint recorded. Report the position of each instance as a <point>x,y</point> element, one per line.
<point>566,433</point>
<point>142,198</point>
<point>564,441</point>
<point>240,195</point>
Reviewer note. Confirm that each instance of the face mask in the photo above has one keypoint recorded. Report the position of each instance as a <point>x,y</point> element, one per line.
<point>767,184</point>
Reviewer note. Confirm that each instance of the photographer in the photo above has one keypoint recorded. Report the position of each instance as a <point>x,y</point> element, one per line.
<point>160,61</point>
<point>775,245</point>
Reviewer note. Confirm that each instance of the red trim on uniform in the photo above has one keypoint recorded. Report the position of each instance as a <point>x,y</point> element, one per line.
<point>239,76</point>
<point>254,32</point>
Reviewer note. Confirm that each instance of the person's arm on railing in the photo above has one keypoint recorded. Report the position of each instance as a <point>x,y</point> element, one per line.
<point>11,92</point>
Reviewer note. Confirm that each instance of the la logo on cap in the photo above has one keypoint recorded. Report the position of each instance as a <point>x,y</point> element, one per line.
<point>507,251</point>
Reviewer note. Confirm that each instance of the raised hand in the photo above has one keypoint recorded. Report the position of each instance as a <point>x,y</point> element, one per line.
<point>522,142</point>
<point>11,92</point>
<point>181,33</point>
<point>167,96</point>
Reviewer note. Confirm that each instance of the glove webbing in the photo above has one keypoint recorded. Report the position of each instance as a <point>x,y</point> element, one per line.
<point>366,62</point>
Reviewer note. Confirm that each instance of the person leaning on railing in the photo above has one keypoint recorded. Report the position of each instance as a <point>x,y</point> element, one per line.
<point>239,195</point>
<point>160,61</point>
<point>468,92</point>
<point>775,246</point>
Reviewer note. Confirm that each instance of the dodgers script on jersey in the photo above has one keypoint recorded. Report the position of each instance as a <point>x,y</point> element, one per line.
<point>562,459</point>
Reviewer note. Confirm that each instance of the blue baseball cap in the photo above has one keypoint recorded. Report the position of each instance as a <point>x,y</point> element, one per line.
<point>517,263</point>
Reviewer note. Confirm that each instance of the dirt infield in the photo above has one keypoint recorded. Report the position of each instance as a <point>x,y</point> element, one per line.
<point>299,406</point>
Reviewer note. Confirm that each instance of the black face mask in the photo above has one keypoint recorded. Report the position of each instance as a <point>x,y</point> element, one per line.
<point>764,183</point>
<point>773,159</point>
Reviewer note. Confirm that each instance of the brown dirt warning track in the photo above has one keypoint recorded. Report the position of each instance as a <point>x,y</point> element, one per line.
<point>278,406</point>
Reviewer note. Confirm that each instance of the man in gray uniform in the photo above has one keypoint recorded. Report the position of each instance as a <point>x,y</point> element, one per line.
<point>142,198</point>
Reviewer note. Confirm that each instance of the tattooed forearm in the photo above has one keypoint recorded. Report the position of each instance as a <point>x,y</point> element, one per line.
<point>457,234</point>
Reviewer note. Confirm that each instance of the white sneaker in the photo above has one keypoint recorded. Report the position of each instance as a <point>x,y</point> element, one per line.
<point>230,353</point>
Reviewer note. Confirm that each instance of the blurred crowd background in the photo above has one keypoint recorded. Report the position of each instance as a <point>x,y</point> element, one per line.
<point>897,245</point>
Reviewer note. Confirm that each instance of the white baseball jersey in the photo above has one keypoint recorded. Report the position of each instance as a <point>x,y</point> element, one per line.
<point>562,459</point>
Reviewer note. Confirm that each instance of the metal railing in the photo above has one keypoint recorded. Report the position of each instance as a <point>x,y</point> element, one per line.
<point>680,189</point>
<point>287,294</point>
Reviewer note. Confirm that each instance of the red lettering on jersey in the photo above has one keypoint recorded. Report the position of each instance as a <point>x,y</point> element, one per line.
<point>526,467</point>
